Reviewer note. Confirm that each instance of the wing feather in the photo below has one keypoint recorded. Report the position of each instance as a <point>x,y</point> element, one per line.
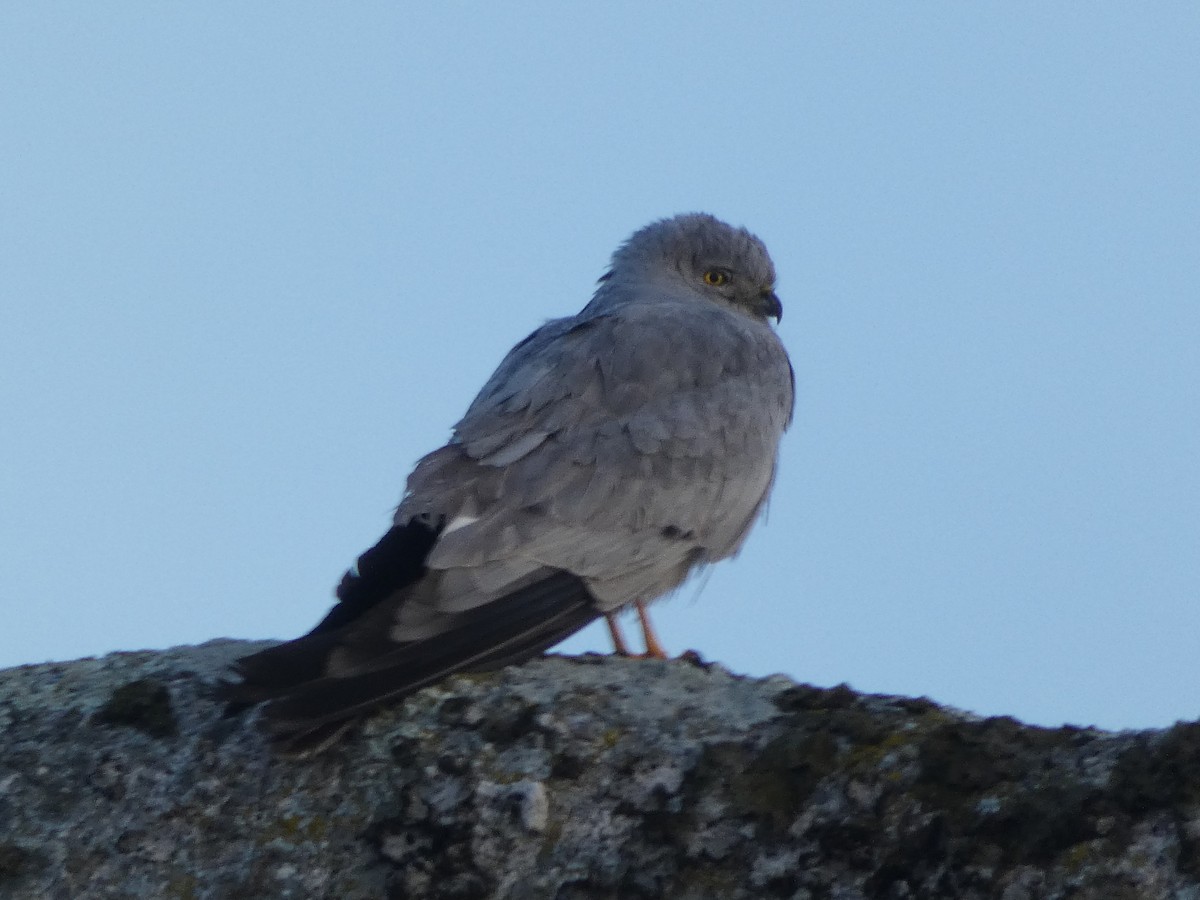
<point>608,456</point>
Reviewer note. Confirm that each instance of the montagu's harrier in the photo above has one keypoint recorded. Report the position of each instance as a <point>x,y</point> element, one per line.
<point>610,454</point>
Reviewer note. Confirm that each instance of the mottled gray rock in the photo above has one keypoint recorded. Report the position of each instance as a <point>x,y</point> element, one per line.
<point>577,778</point>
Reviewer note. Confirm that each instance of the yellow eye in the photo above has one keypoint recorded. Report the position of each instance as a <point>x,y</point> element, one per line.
<point>716,277</point>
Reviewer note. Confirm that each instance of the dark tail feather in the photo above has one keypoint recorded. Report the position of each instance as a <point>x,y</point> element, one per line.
<point>310,714</point>
<point>273,671</point>
<point>394,563</point>
<point>512,628</point>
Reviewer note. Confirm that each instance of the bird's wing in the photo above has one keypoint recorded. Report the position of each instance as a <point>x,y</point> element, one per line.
<point>624,448</point>
<point>606,457</point>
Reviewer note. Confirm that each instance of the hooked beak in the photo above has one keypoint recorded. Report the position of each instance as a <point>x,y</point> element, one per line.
<point>770,307</point>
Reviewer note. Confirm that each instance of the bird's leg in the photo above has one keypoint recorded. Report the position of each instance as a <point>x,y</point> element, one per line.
<point>654,649</point>
<point>620,648</point>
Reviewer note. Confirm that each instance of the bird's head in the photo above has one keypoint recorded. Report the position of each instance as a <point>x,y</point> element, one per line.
<point>701,255</point>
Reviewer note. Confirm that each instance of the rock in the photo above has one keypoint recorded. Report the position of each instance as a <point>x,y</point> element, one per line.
<point>592,777</point>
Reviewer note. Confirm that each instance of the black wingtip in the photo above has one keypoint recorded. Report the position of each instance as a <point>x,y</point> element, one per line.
<point>396,561</point>
<point>506,631</point>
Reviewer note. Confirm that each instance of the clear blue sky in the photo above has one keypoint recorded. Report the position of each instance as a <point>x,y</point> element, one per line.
<point>256,259</point>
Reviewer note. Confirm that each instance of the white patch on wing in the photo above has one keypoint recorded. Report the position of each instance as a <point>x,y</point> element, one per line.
<point>459,522</point>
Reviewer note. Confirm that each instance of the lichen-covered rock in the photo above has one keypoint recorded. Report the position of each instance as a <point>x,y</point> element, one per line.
<point>577,778</point>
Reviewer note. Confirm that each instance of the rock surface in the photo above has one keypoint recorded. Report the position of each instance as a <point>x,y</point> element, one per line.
<point>577,778</point>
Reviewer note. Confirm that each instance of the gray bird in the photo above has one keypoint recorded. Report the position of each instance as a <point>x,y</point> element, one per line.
<point>611,453</point>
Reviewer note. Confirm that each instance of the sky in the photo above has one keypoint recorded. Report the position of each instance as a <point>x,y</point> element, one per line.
<point>255,260</point>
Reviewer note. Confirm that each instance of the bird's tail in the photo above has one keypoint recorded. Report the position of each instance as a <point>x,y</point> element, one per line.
<point>307,708</point>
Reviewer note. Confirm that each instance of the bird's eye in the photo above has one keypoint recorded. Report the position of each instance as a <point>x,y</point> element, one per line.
<point>716,277</point>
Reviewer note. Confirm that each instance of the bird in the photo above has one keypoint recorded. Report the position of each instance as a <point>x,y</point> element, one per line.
<point>611,454</point>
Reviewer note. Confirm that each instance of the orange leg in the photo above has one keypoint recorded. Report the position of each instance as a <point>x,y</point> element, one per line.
<point>654,649</point>
<point>620,648</point>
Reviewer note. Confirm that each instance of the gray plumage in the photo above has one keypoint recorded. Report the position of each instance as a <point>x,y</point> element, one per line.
<point>609,455</point>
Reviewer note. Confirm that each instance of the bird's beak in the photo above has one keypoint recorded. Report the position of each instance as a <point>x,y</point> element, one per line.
<point>770,307</point>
